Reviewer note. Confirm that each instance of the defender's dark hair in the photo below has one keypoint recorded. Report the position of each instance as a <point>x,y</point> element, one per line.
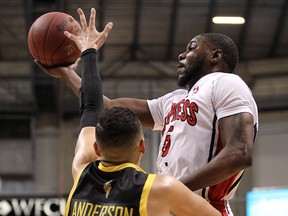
<point>118,127</point>
<point>227,45</point>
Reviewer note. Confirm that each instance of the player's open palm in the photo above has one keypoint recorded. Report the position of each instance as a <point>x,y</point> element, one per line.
<point>88,36</point>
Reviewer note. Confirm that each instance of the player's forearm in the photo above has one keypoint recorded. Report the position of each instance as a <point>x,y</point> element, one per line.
<point>139,106</point>
<point>222,167</point>
<point>91,99</point>
<point>73,81</point>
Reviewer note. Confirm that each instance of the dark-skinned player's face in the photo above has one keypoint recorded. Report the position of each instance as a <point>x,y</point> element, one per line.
<point>191,62</point>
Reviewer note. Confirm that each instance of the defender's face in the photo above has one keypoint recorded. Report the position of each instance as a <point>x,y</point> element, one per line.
<point>192,62</point>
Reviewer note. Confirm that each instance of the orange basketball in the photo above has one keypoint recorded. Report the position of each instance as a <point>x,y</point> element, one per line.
<point>47,42</point>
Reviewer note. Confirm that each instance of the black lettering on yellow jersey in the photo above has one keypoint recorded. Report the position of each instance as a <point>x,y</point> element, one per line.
<point>80,208</point>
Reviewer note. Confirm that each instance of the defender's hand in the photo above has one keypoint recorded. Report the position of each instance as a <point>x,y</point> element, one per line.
<point>88,36</point>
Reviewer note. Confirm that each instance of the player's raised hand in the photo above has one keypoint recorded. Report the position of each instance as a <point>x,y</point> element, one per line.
<point>88,37</point>
<point>58,71</point>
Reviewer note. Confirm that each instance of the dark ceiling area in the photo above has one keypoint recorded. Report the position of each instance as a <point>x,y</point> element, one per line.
<point>160,29</point>
<point>146,32</point>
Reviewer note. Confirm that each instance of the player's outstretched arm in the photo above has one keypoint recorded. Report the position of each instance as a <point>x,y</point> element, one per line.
<point>178,199</point>
<point>73,81</point>
<point>71,78</point>
<point>88,40</point>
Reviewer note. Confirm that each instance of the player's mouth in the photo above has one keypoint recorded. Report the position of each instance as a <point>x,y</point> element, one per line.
<point>181,69</point>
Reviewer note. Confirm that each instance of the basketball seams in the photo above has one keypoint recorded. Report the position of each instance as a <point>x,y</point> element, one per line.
<point>34,44</point>
<point>46,39</point>
<point>59,47</point>
<point>64,41</point>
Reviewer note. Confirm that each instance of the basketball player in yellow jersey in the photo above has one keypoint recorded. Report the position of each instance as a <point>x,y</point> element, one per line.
<point>106,172</point>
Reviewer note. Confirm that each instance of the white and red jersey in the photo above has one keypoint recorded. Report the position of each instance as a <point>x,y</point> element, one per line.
<point>189,125</point>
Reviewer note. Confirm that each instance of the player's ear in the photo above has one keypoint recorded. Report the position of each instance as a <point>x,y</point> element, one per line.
<point>142,146</point>
<point>217,55</point>
<point>96,149</point>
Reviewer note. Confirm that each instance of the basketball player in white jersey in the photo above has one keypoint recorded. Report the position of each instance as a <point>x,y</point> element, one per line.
<point>114,184</point>
<point>208,126</point>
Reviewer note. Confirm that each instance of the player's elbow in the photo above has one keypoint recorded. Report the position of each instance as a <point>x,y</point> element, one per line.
<point>247,161</point>
<point>244,156</point>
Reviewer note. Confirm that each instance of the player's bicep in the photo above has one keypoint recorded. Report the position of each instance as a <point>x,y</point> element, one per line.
<point>84,151</point>
<point>237,132</point>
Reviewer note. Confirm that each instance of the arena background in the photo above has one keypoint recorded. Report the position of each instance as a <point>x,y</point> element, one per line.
<point>39,115</point>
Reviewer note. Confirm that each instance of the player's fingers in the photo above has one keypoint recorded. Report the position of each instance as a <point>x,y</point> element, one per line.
<point>40,65</point>
<point>69,35</point>
<point>82,18</point>
<point>76,28</point>
<point>92,19</point>
<point>75,64</point>
<point>72,37</point>
<point>45,70</point>
<point>108,28</point>
<point>72,21</point>
<point>104,34</point>
<point>77,61</point>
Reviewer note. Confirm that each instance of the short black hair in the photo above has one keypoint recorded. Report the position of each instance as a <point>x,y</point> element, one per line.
<point>119,128</point>
<point>227,45</point>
